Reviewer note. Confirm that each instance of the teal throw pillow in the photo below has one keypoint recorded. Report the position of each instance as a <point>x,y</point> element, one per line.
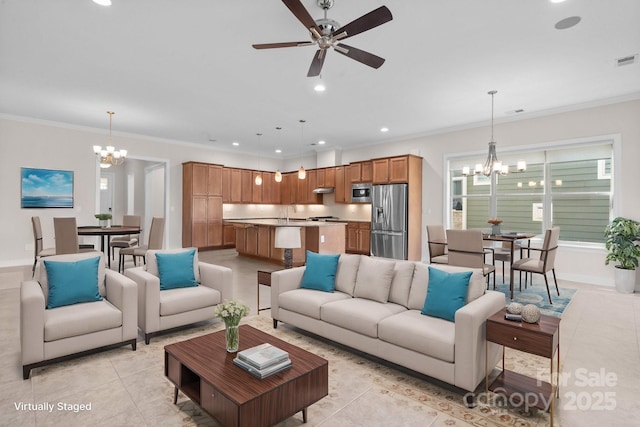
<point>72,282</point>
<point>320,272</point>
<point>176,270</point>
<point>446,293</point>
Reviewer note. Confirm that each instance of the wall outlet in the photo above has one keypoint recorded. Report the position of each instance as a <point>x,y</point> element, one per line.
<point>322,238</point>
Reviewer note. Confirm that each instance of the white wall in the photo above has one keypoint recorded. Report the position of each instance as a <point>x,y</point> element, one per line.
<point>46,145</point>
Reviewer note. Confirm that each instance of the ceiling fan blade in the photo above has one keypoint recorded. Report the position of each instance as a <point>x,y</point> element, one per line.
<point>360,55</point>
<point>316,64</point>
<point>277,45</point>
<point>366,22</point>
<point>296,7</point>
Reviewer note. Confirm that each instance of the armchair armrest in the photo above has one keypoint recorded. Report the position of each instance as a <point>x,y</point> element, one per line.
<point>31,322</point>
<point>470,339</point>
<point>122,292</point>
<point>217,277</point>
<point>283,281</point>
<point>148,298</point>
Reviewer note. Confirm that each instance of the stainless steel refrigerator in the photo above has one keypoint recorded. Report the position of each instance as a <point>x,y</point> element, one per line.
<point>389,221</point>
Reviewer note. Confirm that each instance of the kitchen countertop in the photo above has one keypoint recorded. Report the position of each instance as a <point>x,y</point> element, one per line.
<point>283,223</point>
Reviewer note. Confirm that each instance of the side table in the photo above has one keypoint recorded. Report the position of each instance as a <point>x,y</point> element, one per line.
<point>264,278</point>
<point>542,339</point>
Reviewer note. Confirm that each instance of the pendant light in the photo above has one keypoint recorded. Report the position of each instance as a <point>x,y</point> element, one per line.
<point>109,155</point>
<point>492,164</point>
<point>302,174</point>
<point>278,175</point>
<point>259,175</point>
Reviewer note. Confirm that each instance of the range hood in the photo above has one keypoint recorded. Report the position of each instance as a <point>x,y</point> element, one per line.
<point>323,190</point>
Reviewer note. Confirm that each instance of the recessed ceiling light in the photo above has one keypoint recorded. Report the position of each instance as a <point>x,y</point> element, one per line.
<point>278,150</point>
<point>103,2</point>
<point>569,22</point>
<point>235,144</point>
<point>384,129</point>
<point>321,142</point>
<point>319,87</point>
<point>557,1</point>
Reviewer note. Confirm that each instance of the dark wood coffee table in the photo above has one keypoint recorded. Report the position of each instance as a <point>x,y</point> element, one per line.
<point>204,371</point>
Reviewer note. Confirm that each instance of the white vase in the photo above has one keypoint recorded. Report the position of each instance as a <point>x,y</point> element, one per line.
<point>625,280</point>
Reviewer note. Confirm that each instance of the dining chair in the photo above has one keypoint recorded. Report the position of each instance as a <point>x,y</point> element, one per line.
<point>503,253</point>
<point>466,250</point>
<point>39,251</point>
<point>437,244</point>
<point>544,263</point>
<point>128,240</point>
<point>66,236</point>
<point>156,236</point>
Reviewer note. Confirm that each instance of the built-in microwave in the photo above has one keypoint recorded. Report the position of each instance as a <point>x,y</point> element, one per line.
<point>361,193</point>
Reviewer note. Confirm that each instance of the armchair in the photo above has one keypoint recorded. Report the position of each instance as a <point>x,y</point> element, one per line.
<point>50,335</point>
<point>159,310</point>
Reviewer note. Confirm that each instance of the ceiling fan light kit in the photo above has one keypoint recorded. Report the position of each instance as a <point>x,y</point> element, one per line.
<point>326,33</point>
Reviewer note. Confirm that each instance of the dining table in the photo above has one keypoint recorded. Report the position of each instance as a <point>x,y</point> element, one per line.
<point>510,238</point>
<point>105,234</point>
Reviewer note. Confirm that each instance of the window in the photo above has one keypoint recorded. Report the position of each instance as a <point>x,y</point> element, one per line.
<point>569,186</point>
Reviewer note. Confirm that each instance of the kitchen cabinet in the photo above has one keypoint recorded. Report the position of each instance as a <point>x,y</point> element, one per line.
<point>264,241</point>
<point>229,235</point>
<point>358,238</point>
<point>201,205</point>
<point>361,172</point>
<point>326,177</point>
<point>340,186</point>
<point>246,183</point>
<point>256,190</point>
<point>241,239</point>
<point>392,170</point>
<point>226,185</point>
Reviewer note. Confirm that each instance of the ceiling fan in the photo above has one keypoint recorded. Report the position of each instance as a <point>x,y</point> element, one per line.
<point>328,33</point>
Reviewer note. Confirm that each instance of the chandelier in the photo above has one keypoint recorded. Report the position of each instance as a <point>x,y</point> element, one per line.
<point>109,155</point>
<point>492,164</point>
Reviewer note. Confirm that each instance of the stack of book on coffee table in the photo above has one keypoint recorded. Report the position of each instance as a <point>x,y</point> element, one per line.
<point>263,360</point>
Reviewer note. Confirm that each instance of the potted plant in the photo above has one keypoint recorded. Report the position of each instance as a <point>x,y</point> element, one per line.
<point>104,219</point>
<point>620,240</point>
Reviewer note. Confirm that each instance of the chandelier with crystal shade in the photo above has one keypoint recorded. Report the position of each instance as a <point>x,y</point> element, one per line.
<point>109,155</point>
<point>492,165</point>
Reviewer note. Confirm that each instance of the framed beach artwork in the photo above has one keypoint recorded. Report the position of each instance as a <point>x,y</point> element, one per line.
<point>46,188</point>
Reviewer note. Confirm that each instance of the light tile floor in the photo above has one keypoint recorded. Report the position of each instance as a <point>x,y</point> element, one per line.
<point>600,358</point>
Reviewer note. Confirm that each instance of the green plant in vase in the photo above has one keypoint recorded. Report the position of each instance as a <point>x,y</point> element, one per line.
<point>104,219</point>
<point>620,240</point>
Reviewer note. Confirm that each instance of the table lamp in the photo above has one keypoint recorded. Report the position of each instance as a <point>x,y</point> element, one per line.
<point>288,238</point>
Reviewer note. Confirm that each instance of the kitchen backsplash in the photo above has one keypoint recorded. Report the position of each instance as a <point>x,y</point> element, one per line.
<point>356,212</point>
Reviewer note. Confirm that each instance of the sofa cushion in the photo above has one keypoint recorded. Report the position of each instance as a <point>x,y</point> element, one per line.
<point>308,301</point>
<point>446,293</point>
<point>41,272</point>
<point>358,314</point>
<point>420,282</point>
<point>424,334</point>
<point>176,270</point>
<point>72,282</point>
<point>320,272</point>
<point>374,279</point>
<point>80,319</point>
<point>347,272</point>
<point>180,300</point>
<point>401,282</point>
<point>152,264</point>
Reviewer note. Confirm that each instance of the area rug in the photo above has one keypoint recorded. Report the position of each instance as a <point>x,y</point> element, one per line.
<point>537,294</point>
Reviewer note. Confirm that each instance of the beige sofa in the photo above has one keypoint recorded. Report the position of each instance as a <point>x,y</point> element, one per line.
<point>384,319</point>
<point>48,335</point>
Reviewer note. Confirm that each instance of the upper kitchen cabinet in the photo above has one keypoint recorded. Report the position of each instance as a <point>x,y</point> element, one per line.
<point>231,185</point>
<point>246,177</point>
<point>339,182</point>
<point>361,171</point>
<point>326,177</point>
<point>396,170</point>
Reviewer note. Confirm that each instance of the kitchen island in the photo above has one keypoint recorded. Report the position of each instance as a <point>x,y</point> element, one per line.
<point>255,238</point>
